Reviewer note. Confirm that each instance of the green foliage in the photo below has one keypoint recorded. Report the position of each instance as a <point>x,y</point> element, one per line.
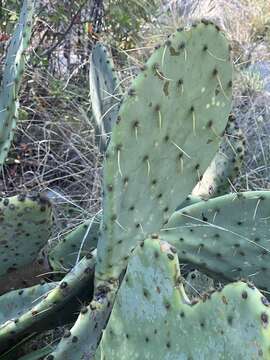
<point>124,19</point>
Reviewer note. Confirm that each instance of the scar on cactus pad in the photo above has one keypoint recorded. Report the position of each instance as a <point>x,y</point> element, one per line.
<point>167,132</point>
<point>153,319</point>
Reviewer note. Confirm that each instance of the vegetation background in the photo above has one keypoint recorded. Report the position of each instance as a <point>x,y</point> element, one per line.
<point>55,149</point>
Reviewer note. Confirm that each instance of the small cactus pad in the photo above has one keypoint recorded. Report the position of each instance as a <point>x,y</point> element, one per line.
<point>166,134</point>
<point>13,72</point>
<point>218,177</point>
<point>15,303</point>
<point>153,320</point>
<point>227,237</point>
<point>81,239</point>
<point>83,338</point>
<point>104,89</point>
<point>35,316</point>
<point>26,223</point>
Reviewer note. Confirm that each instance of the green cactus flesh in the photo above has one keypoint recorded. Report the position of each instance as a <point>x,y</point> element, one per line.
<point>15,303</point>
<point>82,339</point>
<point>225,166</point>
<point>26,223</point>
<point>75,245</point>
<point>166,133</point>
<point>40,315</point>
<point>13,71</point>
<point>104,89</point>
<point>227,237</point>
<point>152,318</point>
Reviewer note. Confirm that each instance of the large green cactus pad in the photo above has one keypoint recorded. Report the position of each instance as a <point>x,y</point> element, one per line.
<point>76,244</point>
<point>13,71</point>
<point>166,134</point>
<point>40,314</point>
<point>152,319</point>
<point>26,223</point>
<point>227,237</point>
<point>104,91</point>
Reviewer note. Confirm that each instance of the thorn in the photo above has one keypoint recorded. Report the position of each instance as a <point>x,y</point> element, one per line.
<point>148,167</point>
<point>118,161</point>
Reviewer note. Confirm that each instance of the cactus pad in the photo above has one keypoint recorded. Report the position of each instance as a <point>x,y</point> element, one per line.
<point>153,320</point>
<point>225,166</point>
<point>166,134</point>
<point>40,315</point>
<point>82,239</point>
<point>83,338</point>
<point>227,237</point>
<point>26,223</point>
<point>13,71</point>
<point>104,89</point>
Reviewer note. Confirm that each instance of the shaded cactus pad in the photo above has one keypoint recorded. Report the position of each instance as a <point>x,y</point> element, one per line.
<point>12,75</point>
<point>169,126</point>
<point>76,244</point>
<point>227,237</point>
<point>104,90</point>
<point>153,320</point>
<point>26,223</point>
<point>45,311</point>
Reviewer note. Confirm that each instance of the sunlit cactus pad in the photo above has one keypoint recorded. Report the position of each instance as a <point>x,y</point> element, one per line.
<point>167,132</point>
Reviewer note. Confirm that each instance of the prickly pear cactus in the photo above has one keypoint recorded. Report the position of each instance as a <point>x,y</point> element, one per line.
<point>17,302</point>
<point>225,166</point>
<point>26,223</point>
<point>153,319</point>
<point>227,237</point>
<point>40,314</point>
<point>12,75</point>
<point>167,131</point>
<point>83,338</point>
<point>105,91</point>
<point>75,245</point>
